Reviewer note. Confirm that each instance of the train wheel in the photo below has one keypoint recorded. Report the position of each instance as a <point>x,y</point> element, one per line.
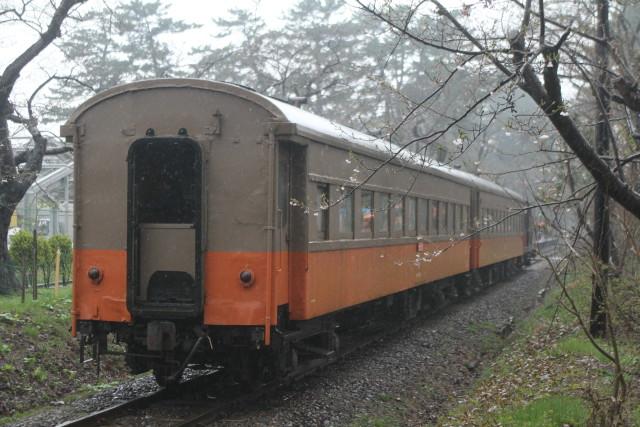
<point>136,364</point>
<point>252,368</point>
<point>436,299</point>
<point>165,375</point>
<point>464,290</point>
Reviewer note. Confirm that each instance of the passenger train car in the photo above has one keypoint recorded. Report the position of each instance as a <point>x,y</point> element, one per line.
<point>218,226</point>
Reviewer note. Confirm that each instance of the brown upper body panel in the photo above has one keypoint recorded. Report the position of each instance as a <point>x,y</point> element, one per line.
<point>230,131</point>
<point>231,125</point>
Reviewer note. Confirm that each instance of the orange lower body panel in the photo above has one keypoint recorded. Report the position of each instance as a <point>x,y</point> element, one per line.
<point>342,278</point>
<point>228,302</point>
<point>107,300</point>
<point>499,249</point>
<point>312,284</point>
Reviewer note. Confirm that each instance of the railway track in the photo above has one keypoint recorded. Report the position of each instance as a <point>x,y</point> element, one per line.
<point>206,398</point>
<point>211,399</point>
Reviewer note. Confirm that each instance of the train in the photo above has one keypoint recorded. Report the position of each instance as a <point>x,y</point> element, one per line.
<point>216,226</point>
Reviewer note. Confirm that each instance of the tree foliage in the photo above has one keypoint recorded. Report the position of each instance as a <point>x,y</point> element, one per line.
<point>116,44</point>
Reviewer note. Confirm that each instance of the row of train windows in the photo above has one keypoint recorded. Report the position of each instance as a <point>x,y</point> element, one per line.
<point>500,221</point>
<point>385,214</point>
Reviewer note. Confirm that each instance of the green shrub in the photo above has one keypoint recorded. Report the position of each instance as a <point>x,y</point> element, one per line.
<point>62,242</point>
<point>46,259</point>
<point>21,253</point>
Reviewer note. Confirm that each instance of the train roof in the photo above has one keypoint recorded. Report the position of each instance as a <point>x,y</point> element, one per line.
<point>309,125</point>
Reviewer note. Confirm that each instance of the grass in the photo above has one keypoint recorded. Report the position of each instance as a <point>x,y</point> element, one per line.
<point>546,376</point>
<point>551,411</point>
<point>579,346</point>
<point>47,300</point>
<point>384,421</point>
<point>38,356</point>
<point>635,417</point>
<point>49,314</point>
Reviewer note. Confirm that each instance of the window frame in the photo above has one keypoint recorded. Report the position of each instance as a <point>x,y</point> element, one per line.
<point>322,213</point>
<point>342,194</point>
<point>443,218</point>
<point>434,217</point>
<point>407,201</point>
<point>396,211</point>
<point>382,215</point>
<point>422,216</point>
<point>362,232</point>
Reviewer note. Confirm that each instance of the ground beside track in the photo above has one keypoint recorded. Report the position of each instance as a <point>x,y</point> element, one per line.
<point>410,378</point>
<point>39,363</point>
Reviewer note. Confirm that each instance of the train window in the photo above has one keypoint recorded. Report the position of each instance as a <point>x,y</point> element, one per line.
<point>435,216</point>
<point>397,215</point>
<point>410,206</point>
<point>423,216</point>
<point>345,213</point>
<point>487,221</point>
<point>366,211</point>
<point>443,215</point>
<point>382,216</point>
<point>322,215</point>
<point>494,220</point>
<point>451,219</point>
<point>452,216</point>
<point>465,219</point>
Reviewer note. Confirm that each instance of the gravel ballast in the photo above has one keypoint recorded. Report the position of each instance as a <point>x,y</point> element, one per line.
<point>410,378</point>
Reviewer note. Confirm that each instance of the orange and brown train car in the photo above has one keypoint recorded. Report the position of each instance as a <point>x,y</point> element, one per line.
<point>215,225</point>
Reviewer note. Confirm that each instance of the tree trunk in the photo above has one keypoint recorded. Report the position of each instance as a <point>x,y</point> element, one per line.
<point>13,182</point>
<point>601,229</point>
<point>8,282</point>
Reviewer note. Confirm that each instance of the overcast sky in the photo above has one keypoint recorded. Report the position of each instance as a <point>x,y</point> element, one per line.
<point>15,38</point>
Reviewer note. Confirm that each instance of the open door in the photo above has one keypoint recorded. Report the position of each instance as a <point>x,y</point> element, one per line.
<point>164,268</point>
